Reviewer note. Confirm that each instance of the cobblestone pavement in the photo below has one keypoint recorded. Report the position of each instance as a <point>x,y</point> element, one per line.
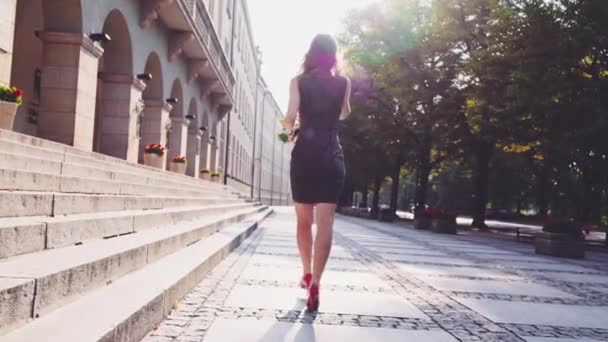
<point>389,283</point>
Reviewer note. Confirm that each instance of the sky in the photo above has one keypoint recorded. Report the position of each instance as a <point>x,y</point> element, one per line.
<point>283,29</point>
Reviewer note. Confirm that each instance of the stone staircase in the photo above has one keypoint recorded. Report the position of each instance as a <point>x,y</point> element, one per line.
<point>94,248</point>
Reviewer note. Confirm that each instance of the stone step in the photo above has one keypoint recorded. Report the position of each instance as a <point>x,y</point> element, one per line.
<point>128,170</point>
<point>122,314</point>
<point>32,203</point>
<point>11,179</point>
<point>50,146</point>
<point>35,284</point>
<point>20,235</point>
<point>23,157</point>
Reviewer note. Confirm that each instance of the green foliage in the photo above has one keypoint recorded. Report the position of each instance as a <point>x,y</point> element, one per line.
<point>506,92</point>
<point>11,94</point>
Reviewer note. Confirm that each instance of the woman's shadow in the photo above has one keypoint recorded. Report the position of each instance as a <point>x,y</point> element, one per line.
<point>282,330</point>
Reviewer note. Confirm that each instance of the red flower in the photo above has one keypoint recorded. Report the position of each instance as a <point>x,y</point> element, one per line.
<point>18,92</point>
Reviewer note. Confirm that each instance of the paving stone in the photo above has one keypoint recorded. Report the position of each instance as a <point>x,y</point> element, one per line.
<point>495,286</point>
<point>540,314</point>
<point>387,284</point>
<point>447,260</point>
<point>329,277</point>
<point>269,331</point>
<point>557,339</point>
<point>333,301</point>
<point>453,271</point>
<point>542,266</point>
<point>574,277</point>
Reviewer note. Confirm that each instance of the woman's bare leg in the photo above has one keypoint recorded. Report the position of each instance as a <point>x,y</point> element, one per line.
<point>305,214</point>
<point>323,241</point>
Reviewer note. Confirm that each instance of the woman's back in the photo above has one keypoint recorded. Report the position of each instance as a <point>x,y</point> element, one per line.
<point>321,99</point>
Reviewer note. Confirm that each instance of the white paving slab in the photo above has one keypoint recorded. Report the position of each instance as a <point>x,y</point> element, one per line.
<point>362,279</point>
<point>407,254</point>
<point>395,249</point>
<point>557,339</point>
<point>577,316</point>
<point>495,286</point>
<point>294,261</point>
<point>488,253</point>
<point>249,330</point>
<point>336,251</point>
<point>437,270</point>
<point>573,277</point>
<point>448,260</point>
<point>524,258</point>
<point>542,266</point>
<point>361,303</point>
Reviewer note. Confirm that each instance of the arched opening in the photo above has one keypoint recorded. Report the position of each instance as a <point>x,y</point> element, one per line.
<point>114,84</point>
<point>40,55</point>
<point>193,148</point>
<point>177,133</point>
<point>156,112</point>
<point>154,90</point>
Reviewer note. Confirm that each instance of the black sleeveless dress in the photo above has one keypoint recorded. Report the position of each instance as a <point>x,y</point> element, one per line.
<point>317,161</point>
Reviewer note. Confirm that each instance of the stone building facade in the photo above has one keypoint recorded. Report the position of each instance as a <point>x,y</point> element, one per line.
<point>182,73</point>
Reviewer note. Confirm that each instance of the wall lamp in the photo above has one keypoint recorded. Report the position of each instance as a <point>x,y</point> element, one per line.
<point>172,100</point>
<point>144,77</point>
<point>190,117</point>
<point>203,129</point>
<point>100,37</point>
<point>212,139</point>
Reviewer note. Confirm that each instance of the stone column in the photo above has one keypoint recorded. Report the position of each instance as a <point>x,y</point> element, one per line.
<point>204,147</point>
<point>119,115</point>
<point>178,138</point>
<point>7,35</point>
<point>213,160</point>
<point>193,151</point>
<point>69,88</point>
<point>154,125</point>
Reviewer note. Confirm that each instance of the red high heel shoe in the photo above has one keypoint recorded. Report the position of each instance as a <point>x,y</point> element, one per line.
<point>312,304</point>
<point>306,280</point>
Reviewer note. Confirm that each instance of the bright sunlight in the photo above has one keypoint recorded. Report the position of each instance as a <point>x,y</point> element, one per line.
<point>283,30</point>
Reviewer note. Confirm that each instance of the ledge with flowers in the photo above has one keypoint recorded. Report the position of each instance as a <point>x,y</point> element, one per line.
<point>153,155</point>
<point>10,99</point>
<point>207,174</point>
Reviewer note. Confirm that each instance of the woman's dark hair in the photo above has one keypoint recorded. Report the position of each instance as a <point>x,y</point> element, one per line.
<point>322,54</point>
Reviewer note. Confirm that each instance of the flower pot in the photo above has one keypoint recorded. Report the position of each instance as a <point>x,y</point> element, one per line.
<point>386,215</point>
<point>205,176</point>
<point>178,167</point>
<point>215,179</point>
<point>445,225</point>
<point>560,245</point>
<point>8,110</point>
<point>422,222</point>
<point>153,160</point>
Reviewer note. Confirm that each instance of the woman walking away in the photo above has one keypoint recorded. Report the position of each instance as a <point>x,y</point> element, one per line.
<point>320,97</point>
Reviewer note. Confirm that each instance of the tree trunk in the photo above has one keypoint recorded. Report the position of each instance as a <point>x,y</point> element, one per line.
<point>376,199</point>
<point>395,186</point>
<point>422,178</point>
<point>422,181</point>
<point>365,195</point>
<point>542,187</point>
<point>483,155</point>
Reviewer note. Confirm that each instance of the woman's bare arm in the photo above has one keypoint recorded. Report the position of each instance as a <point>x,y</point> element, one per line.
<point>346,109</point>
<point>294,105</point>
